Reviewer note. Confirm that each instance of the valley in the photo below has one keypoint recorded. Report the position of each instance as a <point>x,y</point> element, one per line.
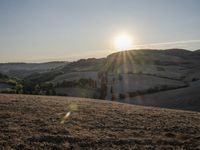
<point>133,76</point>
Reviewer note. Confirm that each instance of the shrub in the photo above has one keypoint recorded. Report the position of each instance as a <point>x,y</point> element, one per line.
<point>195,79</point>
<point>122,96</point>
<point>8,91</point>
<point>114,97</point>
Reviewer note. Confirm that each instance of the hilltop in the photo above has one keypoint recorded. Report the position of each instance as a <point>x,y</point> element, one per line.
<point>36,122</point>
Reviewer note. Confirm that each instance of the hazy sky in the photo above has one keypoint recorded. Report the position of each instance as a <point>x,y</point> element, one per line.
<point>45,30</point>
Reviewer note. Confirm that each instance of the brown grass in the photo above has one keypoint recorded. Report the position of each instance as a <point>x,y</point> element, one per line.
<point>38,122</point>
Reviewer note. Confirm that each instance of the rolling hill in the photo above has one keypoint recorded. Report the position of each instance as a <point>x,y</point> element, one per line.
<point>44,122</point>
<point>24,69</point>
<point>187,98</point>
<point>122,76</point>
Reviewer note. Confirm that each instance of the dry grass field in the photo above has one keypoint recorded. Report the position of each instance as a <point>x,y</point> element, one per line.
<point>41,122</point>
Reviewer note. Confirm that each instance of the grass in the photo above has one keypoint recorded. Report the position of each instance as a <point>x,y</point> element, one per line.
<point>41,122</point>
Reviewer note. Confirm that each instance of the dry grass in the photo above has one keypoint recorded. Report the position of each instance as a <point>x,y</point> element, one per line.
<point>40,122</point>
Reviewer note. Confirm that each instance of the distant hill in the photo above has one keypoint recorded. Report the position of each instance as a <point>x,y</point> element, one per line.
<point>24,69</point>
<point>122,76</point>
<point>41,122</point>
<point>91,64</point>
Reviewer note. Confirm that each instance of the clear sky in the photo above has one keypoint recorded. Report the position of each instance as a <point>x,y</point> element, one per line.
<point>46,30</point>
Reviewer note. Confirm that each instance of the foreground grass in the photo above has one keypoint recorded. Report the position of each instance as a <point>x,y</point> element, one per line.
<point>38,122</point>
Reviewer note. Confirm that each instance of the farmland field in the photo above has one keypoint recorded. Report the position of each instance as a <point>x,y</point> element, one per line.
<point>44,122</point>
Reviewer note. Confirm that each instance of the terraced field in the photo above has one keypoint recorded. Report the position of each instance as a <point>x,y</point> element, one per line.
<point>41,122</point>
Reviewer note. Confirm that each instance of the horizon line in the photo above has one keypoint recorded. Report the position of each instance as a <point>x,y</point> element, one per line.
<point>54,60</point>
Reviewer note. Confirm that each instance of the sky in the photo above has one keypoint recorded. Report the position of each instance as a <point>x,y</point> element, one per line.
<point>54,30</point>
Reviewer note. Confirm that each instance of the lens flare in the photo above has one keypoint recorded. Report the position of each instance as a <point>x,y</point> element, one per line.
<point>65,117</point>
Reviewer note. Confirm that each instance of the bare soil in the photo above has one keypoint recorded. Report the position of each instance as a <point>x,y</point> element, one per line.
<point>42,122</point>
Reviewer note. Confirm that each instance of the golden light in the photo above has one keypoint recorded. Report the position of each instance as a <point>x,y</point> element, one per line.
<point>123,42</point>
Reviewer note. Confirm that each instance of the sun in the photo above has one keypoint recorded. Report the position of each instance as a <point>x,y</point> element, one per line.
<point>123,42</point>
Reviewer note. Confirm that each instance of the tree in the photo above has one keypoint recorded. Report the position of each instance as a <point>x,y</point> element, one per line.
<point>53,92</point>
<point>37,89</point>
<point>103,88</point>
<point>120,77</point>
<point>18,88</point>
<point>111,89</point>
<point>113,98</point>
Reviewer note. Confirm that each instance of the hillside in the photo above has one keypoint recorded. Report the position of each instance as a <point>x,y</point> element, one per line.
<point>122,76</point>
<point>25,69</point>
<point>38,122</point>
<point>187,98</point>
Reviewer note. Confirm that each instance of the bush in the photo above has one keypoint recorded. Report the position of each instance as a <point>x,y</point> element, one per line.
<point>194,79</point>
<point>8,91</point>
<point>122,96</point>
<point>2,76</point>
<point>114,97</point>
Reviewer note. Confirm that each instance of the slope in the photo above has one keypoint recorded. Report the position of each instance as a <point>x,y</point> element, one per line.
<point>36,122</point>
<point>187,98</point>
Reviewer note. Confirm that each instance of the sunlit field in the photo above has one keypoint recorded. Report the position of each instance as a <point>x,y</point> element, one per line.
<point>44,122</point>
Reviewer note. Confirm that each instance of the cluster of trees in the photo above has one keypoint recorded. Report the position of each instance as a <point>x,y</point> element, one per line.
<point>33,84</point>
<point>15,86</point>
<point>84,83</point>
<point>38,88</point>
<point>148,91</point>
<point>17,89</point>
<point>103,78</point>
<point>45,88</point>
<point>38,83</point>
<point>2,76</point>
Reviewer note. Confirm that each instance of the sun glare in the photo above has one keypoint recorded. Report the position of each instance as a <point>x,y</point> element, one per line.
<point>123,42</point>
